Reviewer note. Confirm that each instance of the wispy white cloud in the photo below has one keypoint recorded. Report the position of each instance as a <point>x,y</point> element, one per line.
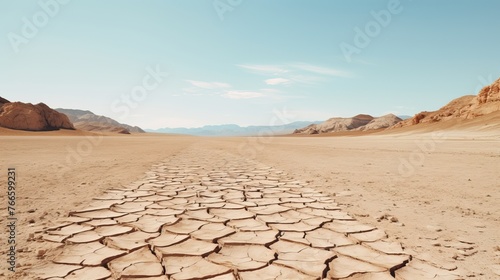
<point>209,85</point>
<point>265,69</point>
<point>236,94</point>
<point>277,81</point>
<point>322,70</point>
<point>296,73</point>
<point>226,90</point>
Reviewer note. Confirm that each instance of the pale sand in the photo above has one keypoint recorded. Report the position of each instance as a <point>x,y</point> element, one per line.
<point>454,189</point>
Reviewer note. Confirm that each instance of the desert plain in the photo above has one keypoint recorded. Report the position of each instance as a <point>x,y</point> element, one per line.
<point>249,140</point>
<point>433,192</point>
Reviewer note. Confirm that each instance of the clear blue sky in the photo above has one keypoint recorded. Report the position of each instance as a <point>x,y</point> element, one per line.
<point>241,64</point>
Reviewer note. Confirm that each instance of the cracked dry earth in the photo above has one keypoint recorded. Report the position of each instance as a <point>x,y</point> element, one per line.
<point>222,217</point>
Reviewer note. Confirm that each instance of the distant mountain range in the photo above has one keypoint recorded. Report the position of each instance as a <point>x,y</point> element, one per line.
<point>235,130</point>
<point>86,120</point>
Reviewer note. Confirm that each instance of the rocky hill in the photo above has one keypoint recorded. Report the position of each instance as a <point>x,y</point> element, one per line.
<point>487,101</point>
<point>26,116</point>
<point>358,122</point>
<point>380,122</point>
<point>86,120</point>
<point>3,101</point>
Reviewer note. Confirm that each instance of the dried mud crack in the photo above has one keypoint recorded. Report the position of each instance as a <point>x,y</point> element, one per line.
<point>223,217</point>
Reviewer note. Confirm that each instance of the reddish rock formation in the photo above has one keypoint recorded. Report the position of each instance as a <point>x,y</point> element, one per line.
<point>489,93</point>
<point>466,107</point>
<point>3,101</point>
<point>26,116</point>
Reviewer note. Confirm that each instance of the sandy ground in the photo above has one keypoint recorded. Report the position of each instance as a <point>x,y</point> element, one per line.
<point>449,193</point>
<point>430,191</point>
<point>57,173</point>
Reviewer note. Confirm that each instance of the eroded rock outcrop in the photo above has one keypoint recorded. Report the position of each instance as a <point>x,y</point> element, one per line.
<point>359,122</point>
<point>336,124</point>
<point>26,116</point>
<point>380,122</point>
<point>466,107</point>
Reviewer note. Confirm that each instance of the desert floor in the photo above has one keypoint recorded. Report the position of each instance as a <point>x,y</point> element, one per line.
<point>437,194</point>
